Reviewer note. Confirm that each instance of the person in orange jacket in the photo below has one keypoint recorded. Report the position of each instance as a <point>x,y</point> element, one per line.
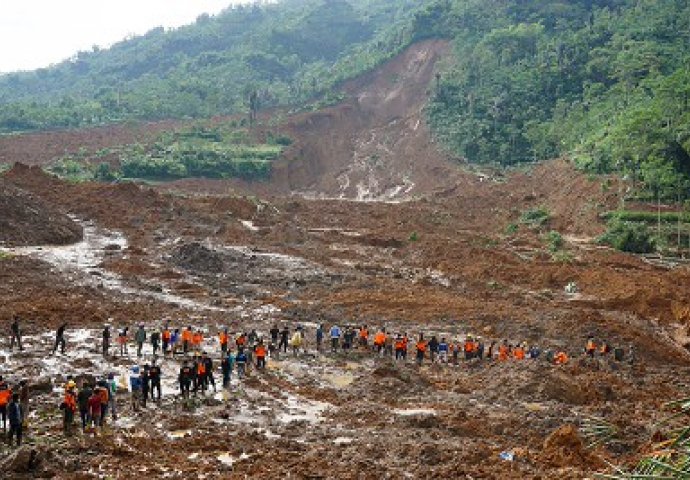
<point>260,353</point>
<point>197,340</point>
<point>363,336</point>
<point>519,352</point>
<point>166,336</point>
<point>5,397</point>
<point>400,347</point>
<point>421,349</point>
<point>187,339</point>
<point>503,351</point>
<point>223,338</point>
<point>561,358</point>
<point>379,340</point>
<point>69,407</point>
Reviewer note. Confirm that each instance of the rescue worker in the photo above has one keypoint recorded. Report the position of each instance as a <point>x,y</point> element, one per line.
<point>155,341</point>
<point>16,416</point>
<point>95,406</point>
<point>15,334</point>
<point>363,336</point>
<point>187,339</point>
<point>455,349</point>
<point>590,347</point>
<point>24,398</point>
<point>166,337</point>
<point>443,350</point>
<point>122,341</point>
<point>155,381</point>
<point>210,379</point>
<point>226,366</point>
<point>112,391</point>
<point>199,374</point>
<point>605,348</point>
<point>5,397</point>
<point>275,331</point>
<point>69,407</point>
<point>145,385</point>
<point>379,340</point>
<point>296,341</point>
<point>399,346</point>
<point>140,338</point>
<point>197,340</point>
<point>260,352</point>
<point>241,361</point>
<point>60,339</point>
<point>335,338</point>
<point>519,352</point>
<point>433,348</point>
<point>284,334</point>
<point>83,397</point>
<point>421,349</point>
<point>503,351</point>
<point>469,348</point>
<point>175,339</point>
<point>223,338</point>
<point>319,338</point>
<point>135,387</point>
<point>561,358</point>
<point>106,340</point>
<point>349,338</point>
<point>185,379</point>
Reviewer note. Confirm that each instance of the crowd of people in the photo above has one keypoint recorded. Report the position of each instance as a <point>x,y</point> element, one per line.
<point>241,351</point>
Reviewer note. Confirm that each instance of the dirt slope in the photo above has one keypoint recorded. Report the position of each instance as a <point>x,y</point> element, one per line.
<point>28,220</point>
<point>374,145</point>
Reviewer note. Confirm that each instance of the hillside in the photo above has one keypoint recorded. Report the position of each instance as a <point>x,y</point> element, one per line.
<point>286,53</point>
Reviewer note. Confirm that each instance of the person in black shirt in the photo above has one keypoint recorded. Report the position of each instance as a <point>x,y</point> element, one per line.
<point>155,380</point>
<point>60,339</point>
<point>284,334</point>
<point>185,379</point>
<point>16,334</point>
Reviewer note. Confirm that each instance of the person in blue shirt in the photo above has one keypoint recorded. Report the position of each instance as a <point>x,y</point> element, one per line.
<point>241,361</point>
<point>443,351</point>
<point>335,338</point>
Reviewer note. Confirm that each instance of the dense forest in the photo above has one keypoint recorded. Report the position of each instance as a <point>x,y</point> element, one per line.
<point>605,81</point>
<point>276,54</point>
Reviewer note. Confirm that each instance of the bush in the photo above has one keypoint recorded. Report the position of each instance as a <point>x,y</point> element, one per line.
<point>554,240</point>
<point>535,217</point>
<point>628,237</point>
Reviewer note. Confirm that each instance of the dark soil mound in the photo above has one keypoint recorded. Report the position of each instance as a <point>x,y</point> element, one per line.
<point>28,220</point>
<point>195,256</point>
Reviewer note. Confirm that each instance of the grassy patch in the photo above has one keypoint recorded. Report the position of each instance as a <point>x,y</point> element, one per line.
<point>535,217</point>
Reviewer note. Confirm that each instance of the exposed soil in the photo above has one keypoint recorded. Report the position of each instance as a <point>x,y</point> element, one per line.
<point>444,264</point>
<point>28,220</point>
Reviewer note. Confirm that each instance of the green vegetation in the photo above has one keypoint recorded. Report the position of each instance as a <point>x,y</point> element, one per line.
<point>553,240</point>
<point>668,460</point>
<point>607,81</point>
<point>246,58</point>
<point>628,237</point>
<point>414,237</point>
<point>196,152</point>
<point>535,217</point>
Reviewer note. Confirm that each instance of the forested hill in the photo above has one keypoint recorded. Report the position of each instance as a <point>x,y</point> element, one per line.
<point>606,81</point>
<point>287,52</point>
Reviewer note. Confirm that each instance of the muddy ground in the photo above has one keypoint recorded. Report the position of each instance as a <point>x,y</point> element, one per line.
<point>225,261</point>
<point>440,250</point>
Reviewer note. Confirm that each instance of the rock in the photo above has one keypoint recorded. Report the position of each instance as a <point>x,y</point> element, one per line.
<point>564,448</point>
<point>27,460</point>
<point>41,385</point>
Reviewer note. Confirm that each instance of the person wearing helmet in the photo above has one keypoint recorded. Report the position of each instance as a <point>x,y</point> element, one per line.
<point>69,407</point>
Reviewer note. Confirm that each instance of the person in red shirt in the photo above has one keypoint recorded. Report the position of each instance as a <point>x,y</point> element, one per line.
<point>5,397</point>
<point>95,408</point>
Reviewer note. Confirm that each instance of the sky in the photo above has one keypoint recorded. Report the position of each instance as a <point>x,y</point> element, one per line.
<point>37,33</point>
